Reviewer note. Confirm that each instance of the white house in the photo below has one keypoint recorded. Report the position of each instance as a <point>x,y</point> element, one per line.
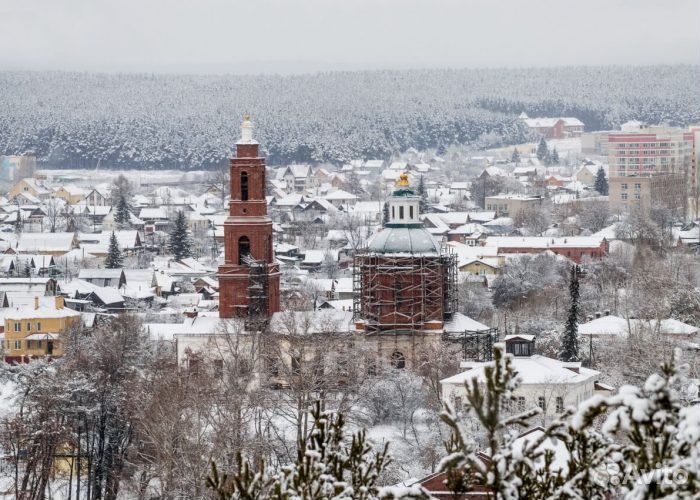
<point>548,383</point>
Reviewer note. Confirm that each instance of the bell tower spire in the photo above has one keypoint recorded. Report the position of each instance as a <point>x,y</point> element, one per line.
<point>247,131</point>
<point>247,147</point>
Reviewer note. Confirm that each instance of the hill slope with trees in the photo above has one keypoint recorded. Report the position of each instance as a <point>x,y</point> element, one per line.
<point>186,121</point>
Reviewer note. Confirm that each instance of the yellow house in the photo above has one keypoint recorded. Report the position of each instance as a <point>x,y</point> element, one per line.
<point>482,267</point>
<point>31,186</point>
<point>71,194</point>
<point>36,331</point>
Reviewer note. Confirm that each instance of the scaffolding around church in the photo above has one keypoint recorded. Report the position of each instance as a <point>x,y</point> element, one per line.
<point>257,287</point>
<point>475,346</point>
<point>404,292</point>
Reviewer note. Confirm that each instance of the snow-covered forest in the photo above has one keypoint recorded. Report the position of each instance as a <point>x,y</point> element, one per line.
<point>189,122</point>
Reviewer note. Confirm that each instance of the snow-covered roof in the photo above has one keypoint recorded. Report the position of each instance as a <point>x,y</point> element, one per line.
<point>152,213</point>
<point>544,242</point>
<point>312,322</point>
<point>374,164</point>
<point>617,326</point>
<point>313,256</point>
<point>44,242</point>
<point>42,312</point>
<point>411,240</point>
<point>532,370</point>
<point>86,274</point>
<point>340,194</point>
<point>298,171</point>
<point>463,323</point>
<point>550,122</point>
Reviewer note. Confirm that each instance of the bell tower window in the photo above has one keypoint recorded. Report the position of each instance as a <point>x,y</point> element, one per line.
<point>244,186</point>
<point>243,248</point>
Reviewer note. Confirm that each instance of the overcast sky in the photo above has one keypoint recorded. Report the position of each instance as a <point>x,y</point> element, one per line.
<point>222,36</point>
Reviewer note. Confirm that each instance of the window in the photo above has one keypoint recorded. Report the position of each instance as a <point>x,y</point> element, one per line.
<point>458,402</point>
<point>637,196</point>
<point>18,326</point>
<point>244,186</point>
<point>521,403</point>
<point>540,403</point>
<point>410,212</point>
<point>393,212</point>
<point>38,326</point>
<point>401,212</point>
<point>296,364</point>
<point>243,248</point>
<point>18,345</point>
<point>398,360</point>
<point>507,405</point>
<point>29,326</point>
<point>624,196</point>
<point>218,367</point>
<point>560,404</point>
<point>624,186</point>
<point>272,367</point>
<point>371,368</point>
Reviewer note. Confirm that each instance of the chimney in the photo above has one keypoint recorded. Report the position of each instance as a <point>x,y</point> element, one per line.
<point>60,303</point>
<point>36,302</point>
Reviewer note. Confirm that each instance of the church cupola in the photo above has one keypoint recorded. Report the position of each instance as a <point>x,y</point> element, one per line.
<point>404,205</point>
<point>247,147</point>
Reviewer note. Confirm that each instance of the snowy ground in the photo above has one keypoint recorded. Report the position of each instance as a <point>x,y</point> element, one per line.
<point>564,147</point>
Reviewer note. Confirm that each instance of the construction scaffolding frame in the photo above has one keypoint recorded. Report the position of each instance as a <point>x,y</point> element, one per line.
<point>476,346</point>
<point>403,292</point>
<point>257,287</point>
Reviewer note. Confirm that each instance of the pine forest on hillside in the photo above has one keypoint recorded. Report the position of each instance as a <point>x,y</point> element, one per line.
<point>190,122</point>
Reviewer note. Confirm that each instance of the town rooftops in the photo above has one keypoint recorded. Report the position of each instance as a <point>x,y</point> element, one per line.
<point>544,242</point>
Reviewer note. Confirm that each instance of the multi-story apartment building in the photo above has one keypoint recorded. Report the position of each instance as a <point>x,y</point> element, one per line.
<point>694,205</point>
<point>645,154</point>
<point>652,150</point>
<point>648,191</point>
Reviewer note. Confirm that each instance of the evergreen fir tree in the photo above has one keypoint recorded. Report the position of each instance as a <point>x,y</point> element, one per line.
<point>555,156</point>
<point>422,192</point>
<point>19,223</point>
<point>515,157</point>
<point>330,466</point>
<point>542,150</point>
<point>601,182</point>
<point>385,214</point>
<point>114,258</point>
<point>122,214</point>
<point>179,244</point>
<point>569,342</point>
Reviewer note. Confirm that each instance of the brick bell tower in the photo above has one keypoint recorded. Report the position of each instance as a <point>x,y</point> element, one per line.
<point>249,279</point>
